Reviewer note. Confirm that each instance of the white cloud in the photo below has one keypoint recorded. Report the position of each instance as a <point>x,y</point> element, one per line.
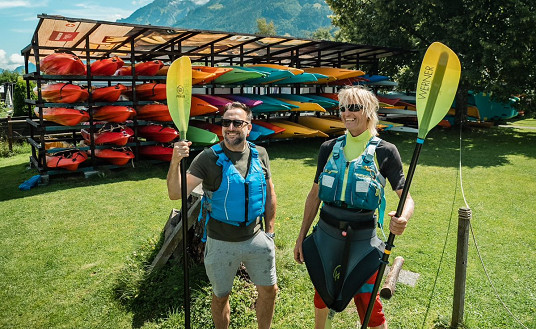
<point>141,3</point>
<point>14,4</point>
<point>96,12</point>
<point>10,62</point>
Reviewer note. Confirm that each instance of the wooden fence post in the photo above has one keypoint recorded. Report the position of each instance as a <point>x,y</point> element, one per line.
<point>464,218</point>
<point>10,133</point>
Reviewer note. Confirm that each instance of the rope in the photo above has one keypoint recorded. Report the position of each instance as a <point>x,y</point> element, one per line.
<point>477,248</point>
<point>442,255</point>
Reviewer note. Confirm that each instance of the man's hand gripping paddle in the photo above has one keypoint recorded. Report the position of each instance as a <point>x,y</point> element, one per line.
<point>436,87</point>
<point>179,99</point>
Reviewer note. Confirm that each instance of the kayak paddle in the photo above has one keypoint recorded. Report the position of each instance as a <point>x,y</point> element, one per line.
<point>179,99</point>
<point>436,87</point>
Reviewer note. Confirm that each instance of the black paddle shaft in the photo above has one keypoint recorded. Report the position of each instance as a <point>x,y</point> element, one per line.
<point>184,218</point>
<point>389,245</point>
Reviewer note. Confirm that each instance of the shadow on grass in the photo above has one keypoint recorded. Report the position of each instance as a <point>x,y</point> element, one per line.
<point>151,296</point>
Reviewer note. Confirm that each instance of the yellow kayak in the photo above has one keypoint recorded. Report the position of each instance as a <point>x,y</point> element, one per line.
<point>303,106</point>
<point>295,130</point>
<point>326,125</point>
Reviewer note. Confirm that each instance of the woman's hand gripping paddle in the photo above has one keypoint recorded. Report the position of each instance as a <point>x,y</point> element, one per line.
<point>179,99</point>
<point>436,87</point>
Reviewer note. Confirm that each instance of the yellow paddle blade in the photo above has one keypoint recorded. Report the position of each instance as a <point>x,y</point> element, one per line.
<point>438,81</point>
<point>179,93</point>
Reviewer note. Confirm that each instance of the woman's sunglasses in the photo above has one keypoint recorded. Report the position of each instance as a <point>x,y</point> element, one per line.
<point>236,123</point>
<point>351,108</point>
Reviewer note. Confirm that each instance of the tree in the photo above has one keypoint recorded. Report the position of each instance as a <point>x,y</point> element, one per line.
<point>493,39</point>
<point>265,28</point>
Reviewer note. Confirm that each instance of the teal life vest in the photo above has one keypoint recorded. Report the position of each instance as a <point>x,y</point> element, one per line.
<point>238,201</point>
<point>364,183</point>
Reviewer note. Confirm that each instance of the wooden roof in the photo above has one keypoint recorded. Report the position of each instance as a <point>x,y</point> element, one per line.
<point>97,39</point>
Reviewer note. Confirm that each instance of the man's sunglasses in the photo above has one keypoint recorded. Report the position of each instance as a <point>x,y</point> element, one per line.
<point>236,123</point>
<point>351,108</point>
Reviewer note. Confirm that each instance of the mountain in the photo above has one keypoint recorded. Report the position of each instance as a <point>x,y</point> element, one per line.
<point>297,18</point>
<point>163,12</point>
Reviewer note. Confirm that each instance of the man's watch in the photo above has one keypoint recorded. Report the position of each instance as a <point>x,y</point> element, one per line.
<point>270,235</point>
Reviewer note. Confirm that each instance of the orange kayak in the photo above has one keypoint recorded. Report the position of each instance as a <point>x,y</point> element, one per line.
<point>62,64</point>
<point>158,133</point>
<point>201,107</point>
<point>108,94</point>
<point>115,136</point>
<point>69,159</point>
<point>114,113</point>
<point>158,152</point>
<point>64,93</point>
<point>149,68</point>
<point>63,116</point>
<point>106,66</point>
<point>205,74</point>
<point>153,112</point>
<point>151,91</point>
<point>118,157</point>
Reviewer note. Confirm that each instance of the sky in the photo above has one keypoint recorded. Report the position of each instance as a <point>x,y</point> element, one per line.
<point>18,20</point>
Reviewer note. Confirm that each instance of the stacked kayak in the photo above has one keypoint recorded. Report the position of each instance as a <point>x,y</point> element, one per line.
<point>302,103</point>
<point>153,112</point>
<point>200,136</point>
<point>327,125</point>
<point>108,94</point>
<point>149,68</point>
<point>64,93</point>
<point>206,74</point>
<point>258,132</point>
<point>67,159</point>
<point>158,133</point>
<point>114,113</point>
<point>118,157</point>
<point>62,64</point>
<point>214,128</point>
<point>106,66</point>
<point>295,130</point>
<point>151,91</point>
<point>214,100</point>
<point>238,75</point>
<point>109,136</point>
<point>158,152</point>
<point>63,116</point>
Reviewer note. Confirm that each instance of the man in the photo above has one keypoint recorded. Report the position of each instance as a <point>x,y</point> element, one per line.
<point>238,194</point>
<point>342,254</point>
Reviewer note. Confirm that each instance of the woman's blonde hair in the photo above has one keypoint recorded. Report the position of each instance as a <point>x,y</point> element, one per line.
<point>363,96</point>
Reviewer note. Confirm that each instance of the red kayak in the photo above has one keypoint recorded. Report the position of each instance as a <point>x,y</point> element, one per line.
<point>146,68</point>
<point>216,129</point>
<point>156,152</point>
<point>115,136</point>
<point>114,113</point>
<point>158,133</point>
<point>151,91</point>
<point>63,116</point>
<point>118,157</point>
<point>108,94</point>
<point>64,93</point>
<point>68,159</point>
<point>106,66</point>
<point>62,64</point>
<point>268,125</point>
<point>153,112</point>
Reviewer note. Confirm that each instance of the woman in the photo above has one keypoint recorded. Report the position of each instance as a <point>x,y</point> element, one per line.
<point>343,252</point>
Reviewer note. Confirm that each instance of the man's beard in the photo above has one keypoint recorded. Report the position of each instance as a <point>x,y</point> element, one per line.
<point>239,139</point>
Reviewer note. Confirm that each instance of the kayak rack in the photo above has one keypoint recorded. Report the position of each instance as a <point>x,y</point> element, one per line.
<point>92,40</point>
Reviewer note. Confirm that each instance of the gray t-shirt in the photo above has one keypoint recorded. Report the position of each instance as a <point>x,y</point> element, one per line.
<point>204,166</point>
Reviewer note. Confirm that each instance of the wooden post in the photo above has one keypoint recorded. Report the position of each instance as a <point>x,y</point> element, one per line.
<point>390,282</point>
<point>173,229</point>
<point>464,217</point>
<point>10,133</point>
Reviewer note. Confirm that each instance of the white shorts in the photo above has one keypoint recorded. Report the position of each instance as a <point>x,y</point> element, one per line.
<point>223,258</point>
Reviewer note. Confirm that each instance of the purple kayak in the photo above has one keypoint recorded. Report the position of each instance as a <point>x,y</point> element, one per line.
<point>217,101</point>
<point>243,99</point>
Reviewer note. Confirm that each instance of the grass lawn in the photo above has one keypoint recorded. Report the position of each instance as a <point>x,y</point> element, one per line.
<point>73,253</point>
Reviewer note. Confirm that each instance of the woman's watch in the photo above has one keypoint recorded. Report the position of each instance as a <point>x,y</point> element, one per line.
<point>270,235</point>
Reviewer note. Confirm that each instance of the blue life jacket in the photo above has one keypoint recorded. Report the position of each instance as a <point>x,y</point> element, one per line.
<point>364,183</point>
<point>238,201</point>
